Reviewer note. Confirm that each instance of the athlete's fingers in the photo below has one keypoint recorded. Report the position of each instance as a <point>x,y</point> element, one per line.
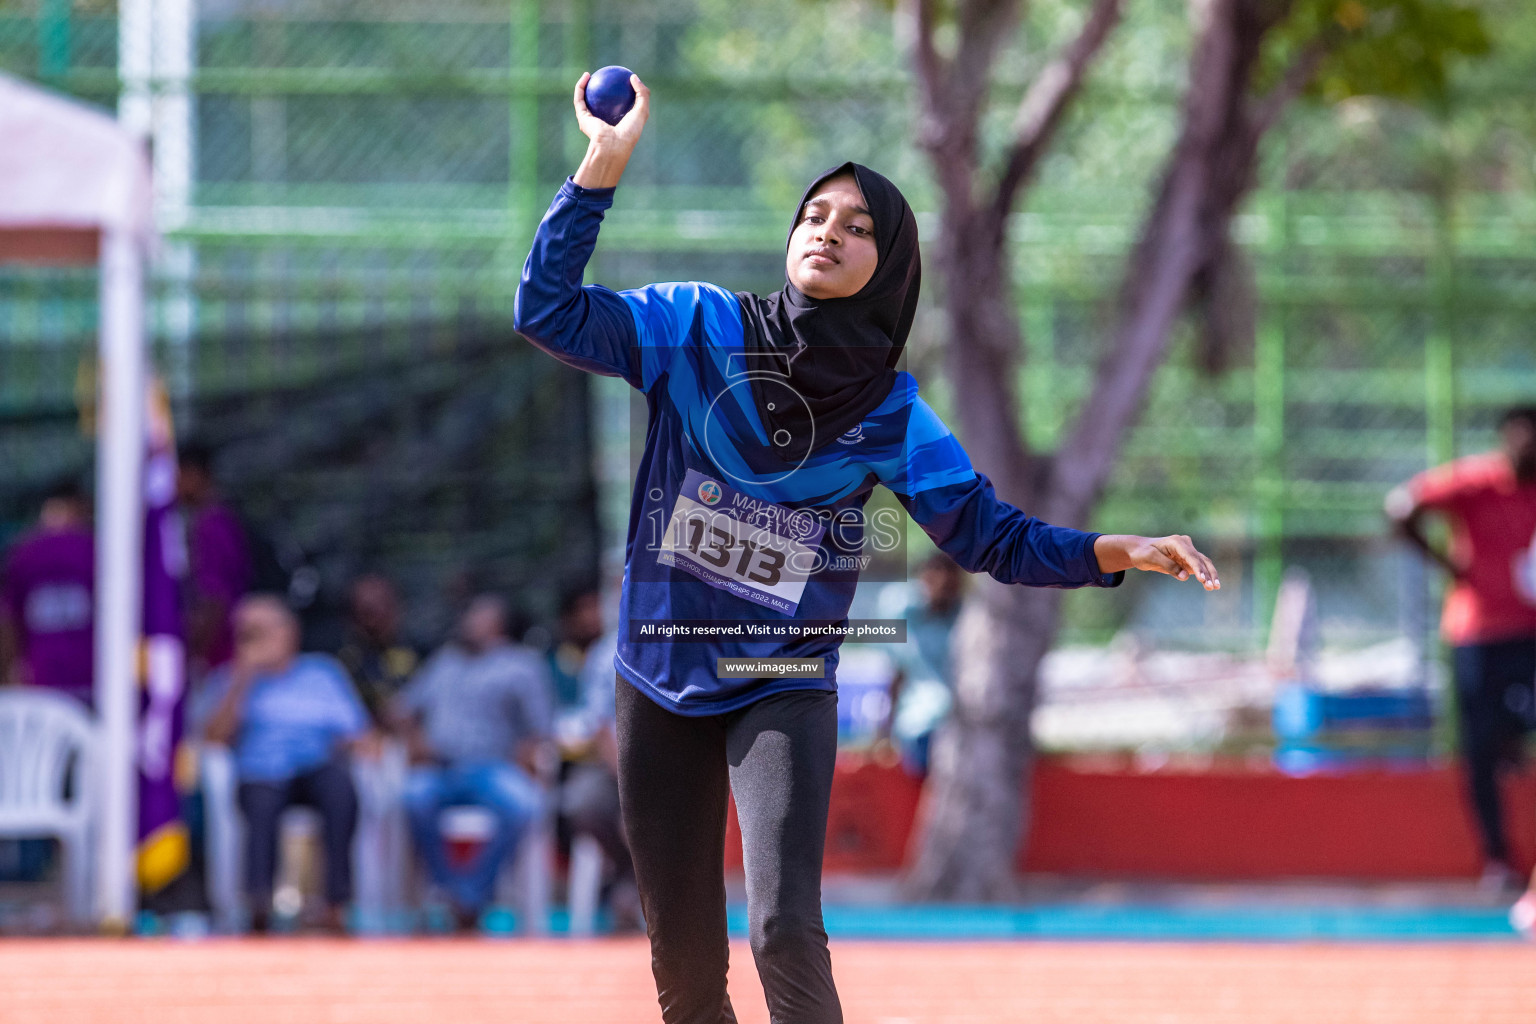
<point>1192,562</point>
<point>580,99</point>
<point>1204,568</point>
<point>634,119</point>
<point>1212,577</point>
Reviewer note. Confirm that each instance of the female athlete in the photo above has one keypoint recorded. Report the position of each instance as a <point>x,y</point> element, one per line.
<point>771,419</point>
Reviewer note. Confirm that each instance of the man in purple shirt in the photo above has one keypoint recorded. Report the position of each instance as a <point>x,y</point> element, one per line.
<point>47,599</point>
<point>219,556</point>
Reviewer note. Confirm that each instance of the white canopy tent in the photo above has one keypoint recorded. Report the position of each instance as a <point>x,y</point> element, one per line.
<point>75,189</point>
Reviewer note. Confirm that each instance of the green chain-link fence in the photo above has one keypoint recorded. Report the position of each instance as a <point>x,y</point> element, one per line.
<point>366,178</point>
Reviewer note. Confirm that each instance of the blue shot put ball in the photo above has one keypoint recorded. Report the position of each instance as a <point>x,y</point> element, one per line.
<point>609,94</point>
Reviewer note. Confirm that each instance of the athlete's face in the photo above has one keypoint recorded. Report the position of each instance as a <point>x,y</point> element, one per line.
<point>832,249</point>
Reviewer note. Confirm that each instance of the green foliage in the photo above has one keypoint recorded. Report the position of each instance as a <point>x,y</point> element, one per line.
<point>850,91</point>
<point>1400,49</point>
<point>1491,140</point>
<point>813,51</point>
<point>1475,131</point>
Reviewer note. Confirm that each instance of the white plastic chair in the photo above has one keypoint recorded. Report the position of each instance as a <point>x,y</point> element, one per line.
<point>584,884</point>
<point>47,744</point>
<point>532,871</point>
<point>223,835</point>
<point>381,851</point>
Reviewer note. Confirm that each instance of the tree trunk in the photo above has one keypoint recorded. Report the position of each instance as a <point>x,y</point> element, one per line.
<point>974,817</point>
<point>1208,174</point>
<point>983,371</point>
<point>971,821</point>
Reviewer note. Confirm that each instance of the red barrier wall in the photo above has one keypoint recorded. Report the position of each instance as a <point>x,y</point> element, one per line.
<point>1236,823</point>
<point>1225,822</point>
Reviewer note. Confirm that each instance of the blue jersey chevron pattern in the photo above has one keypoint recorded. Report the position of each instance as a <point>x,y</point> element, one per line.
<point>681,344</point>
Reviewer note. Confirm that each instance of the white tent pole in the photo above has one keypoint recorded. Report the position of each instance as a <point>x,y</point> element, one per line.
<point>119,550</point>
<point>173,56</point>
<point>119,530</point>
<point>174,171</point>
<point>135,66</point>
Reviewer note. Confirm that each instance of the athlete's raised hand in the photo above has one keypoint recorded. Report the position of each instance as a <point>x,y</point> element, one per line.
<point>609,145</point>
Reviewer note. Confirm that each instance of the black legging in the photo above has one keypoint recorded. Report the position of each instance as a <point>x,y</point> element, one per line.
<point>1494,693</point>
<point>329,790</point>
<point>777,757</point>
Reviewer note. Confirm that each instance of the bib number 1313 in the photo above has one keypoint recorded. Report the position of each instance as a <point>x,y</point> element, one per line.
<point>758,562</point>
<point>755,549</point>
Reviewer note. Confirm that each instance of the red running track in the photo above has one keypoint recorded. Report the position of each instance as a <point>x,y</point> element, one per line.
<point>469,981</point>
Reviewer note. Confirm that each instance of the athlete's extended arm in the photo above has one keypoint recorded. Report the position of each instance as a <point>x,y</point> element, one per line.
<point>983,533</point>
<point>960,511</point>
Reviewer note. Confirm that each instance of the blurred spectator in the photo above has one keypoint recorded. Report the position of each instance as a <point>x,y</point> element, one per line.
<point>478,719</point>
<point>291,720</point>
<point>922,688</point>
<point>1489,501</point>
<point>379,662</point>
<point>220,562</point>
<point>47,599</point>
<point>589,793</point>
<point>580,626</point>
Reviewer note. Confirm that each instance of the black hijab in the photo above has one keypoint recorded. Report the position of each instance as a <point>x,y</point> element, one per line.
<point>819,366</point>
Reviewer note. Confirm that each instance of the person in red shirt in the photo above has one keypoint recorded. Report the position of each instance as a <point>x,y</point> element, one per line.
<point>1489,502</point>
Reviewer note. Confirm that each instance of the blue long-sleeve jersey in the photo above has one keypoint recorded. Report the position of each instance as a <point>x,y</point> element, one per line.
<point>707,454</point>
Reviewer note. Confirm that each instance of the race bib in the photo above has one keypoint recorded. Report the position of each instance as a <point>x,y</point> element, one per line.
<point>752,548</point>
<point>58,608</point>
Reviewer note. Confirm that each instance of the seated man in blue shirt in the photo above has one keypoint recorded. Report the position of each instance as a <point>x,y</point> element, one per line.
<point>477,717</point>
<point>290,719</point>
